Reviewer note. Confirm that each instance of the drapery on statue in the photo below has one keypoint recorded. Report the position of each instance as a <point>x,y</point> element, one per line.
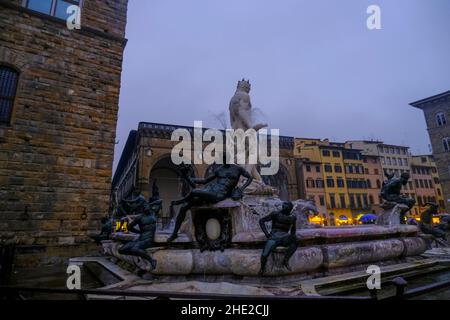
<point>283,234</point>
<point>146,222</point>
<point>220,185</point>
<point>391,193</point>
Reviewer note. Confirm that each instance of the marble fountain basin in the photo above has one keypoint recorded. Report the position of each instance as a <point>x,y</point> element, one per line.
<point>320,250</point>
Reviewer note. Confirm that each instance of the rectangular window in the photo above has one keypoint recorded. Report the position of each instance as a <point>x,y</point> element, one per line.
<point>342,199</point>
<point>446,144</point>
<point>308,168</point>
<point>365,201</point>
<point>322,200</point>
<point>330,182</point>
<point>340,183</point>
<point>352,201</point>
<point>358,200</point>
<point>55,8</point>
<point>336,154</point>
<point>319,183</point>
<point>332,201</point>
<point>328,168</point>
<point>318,169</point>
<point>326,153</point>
<point>8,87</point>
<point>337,168</point>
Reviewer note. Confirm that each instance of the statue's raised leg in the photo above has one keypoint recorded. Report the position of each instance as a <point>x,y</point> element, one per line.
<point>179,221</point>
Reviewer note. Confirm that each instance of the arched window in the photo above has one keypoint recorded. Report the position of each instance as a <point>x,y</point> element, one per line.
<point>440,119</point>
<point>8,88</point>
<point>446,143</point>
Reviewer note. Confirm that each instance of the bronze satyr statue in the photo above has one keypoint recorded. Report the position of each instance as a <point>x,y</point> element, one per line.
<point>391,193</point>
<point>105,231</point>
<point>220,185</point>
<point>283,234</point>
<point>426,222</point>
<point>147,228</point>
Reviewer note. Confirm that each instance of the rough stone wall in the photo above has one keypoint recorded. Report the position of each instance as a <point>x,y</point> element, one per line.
<point>437,133</point>
<point>56,155</point>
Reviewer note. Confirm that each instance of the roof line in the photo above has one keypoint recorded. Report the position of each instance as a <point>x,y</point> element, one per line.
<point>417,104</point>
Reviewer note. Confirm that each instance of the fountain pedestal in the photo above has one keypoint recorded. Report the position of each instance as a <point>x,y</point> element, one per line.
<point>239,253</point>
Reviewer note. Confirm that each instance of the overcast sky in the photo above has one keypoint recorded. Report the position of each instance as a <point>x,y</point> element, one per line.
<point>315,68</point>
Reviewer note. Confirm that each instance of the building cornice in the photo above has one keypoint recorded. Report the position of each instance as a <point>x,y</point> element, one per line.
<point>420,104</point>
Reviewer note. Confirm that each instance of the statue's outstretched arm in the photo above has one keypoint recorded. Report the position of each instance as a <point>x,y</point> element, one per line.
<point>247,175</point>
<point>262,224</point>
<point>294,227</point>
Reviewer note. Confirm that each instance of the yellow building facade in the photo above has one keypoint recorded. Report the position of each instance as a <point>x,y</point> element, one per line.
<point>343,175</point>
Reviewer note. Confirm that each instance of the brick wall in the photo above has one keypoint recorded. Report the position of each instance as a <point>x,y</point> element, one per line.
<point>56,156</point>
<point>437,133</point>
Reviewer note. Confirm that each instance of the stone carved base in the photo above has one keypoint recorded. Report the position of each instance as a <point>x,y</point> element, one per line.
<point>391,216</point>
<point>246,261</point>
<point>206,222</point>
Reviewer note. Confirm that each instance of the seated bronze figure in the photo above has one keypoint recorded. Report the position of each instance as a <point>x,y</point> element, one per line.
<point>222,184</point>
<point>283,234</point>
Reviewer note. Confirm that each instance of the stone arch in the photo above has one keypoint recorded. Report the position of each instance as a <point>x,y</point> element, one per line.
<point>13,60</point>
<point>169,181</point>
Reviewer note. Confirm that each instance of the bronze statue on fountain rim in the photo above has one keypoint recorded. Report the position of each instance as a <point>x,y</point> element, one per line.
<point>146,221</point>
<point>391,193</point>
<point>283,233</point>
<point>222,184</point>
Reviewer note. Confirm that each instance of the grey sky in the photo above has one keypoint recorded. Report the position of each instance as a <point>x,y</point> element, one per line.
<point>316,70</point>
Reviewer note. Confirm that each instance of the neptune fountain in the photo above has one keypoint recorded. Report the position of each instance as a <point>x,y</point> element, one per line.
<point>221,229</point>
